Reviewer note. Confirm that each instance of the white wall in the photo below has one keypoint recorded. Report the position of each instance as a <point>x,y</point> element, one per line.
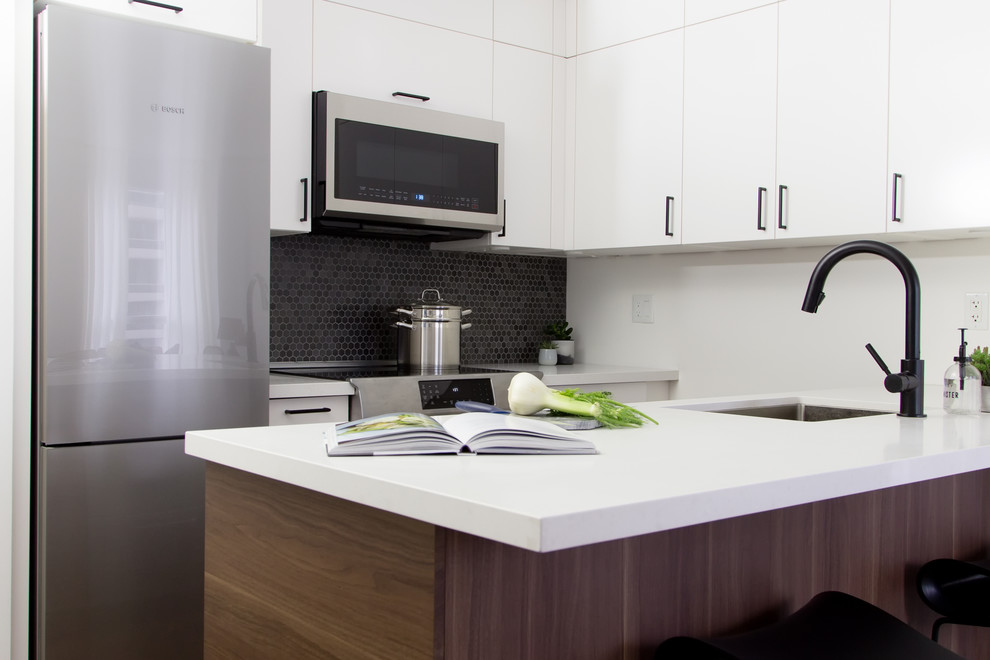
<point>731,322</point>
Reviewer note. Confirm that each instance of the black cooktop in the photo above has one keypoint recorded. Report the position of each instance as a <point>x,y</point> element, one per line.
<point>379,371</point>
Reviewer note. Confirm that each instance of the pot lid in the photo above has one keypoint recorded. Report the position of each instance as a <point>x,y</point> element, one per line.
<point>431,298</point>
<point>432,306</point>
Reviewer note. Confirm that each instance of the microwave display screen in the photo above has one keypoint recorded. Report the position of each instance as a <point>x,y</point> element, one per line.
<point>413,168</point>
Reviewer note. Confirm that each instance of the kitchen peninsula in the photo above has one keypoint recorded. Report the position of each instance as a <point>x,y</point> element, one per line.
<point>706,523</point>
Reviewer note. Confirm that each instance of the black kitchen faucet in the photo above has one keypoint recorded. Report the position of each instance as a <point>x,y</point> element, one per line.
<point>910,381</point>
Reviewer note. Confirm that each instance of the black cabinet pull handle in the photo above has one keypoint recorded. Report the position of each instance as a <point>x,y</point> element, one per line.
<point>305,182</point>
<point>156,4</point>
<point>893,206</point>
<point>505,215</point>
<point>780,207</point>
<point>422,98</point>
<point>666,223</point>
<point>307,411</point>
<point>761,193</point>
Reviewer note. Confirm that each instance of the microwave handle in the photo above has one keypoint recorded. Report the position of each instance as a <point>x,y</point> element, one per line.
<point>161,5</point>
<point>505,215</point>
<point>424,99</point>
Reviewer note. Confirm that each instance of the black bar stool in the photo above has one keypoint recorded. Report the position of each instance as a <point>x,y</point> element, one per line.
<point>958,590</point>
<point>831,626</point>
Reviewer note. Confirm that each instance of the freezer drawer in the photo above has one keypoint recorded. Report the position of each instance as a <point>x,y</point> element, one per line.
<point>120,559</point>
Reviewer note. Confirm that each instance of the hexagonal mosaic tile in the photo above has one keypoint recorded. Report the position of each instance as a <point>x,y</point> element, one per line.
<point>331,297</point>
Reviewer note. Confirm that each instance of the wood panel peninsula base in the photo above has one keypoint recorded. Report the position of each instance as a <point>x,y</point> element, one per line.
<point>293,573</point>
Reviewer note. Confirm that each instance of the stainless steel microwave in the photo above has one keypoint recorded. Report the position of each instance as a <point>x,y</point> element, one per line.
<point>388,169</point>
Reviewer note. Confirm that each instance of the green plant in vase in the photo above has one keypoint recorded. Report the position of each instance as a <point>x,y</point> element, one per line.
<point>560,334</point>
<point>981,360</point>
<point>559,330</point>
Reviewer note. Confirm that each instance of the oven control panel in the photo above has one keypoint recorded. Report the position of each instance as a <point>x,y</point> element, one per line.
<point>433,394</point>
<point>442,394</point>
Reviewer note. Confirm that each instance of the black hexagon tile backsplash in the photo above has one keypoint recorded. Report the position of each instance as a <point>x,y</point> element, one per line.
<point>331,297</point>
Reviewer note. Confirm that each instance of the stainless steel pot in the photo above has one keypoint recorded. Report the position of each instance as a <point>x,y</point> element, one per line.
<point>431,337</point>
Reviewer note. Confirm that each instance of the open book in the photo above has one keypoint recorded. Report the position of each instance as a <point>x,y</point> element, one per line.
<point>468,433</point>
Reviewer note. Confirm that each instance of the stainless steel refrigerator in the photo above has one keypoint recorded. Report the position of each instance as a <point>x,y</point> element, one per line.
<point>151,285</point>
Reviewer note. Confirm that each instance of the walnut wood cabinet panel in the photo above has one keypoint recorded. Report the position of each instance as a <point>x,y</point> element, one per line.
<point>293,573</point>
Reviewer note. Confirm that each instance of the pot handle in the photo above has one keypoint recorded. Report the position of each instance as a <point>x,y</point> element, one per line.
<point>465,326</point>
<point>465,312</point>
<point>425,291</point>
<point>403,311</point>
<point>403,324</point>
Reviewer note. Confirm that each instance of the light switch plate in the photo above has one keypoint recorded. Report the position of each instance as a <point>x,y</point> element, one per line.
<point>642,308</point>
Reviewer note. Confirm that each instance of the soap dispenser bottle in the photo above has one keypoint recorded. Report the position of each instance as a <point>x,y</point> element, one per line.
<point>962,384</point>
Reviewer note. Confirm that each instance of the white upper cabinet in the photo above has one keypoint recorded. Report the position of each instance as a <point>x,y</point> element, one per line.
<point>528,23</point>
<point>467,16</point>
<point>237,19</point>
<point>287,29</point>
<point>696,11</point>
<point>529,96</point>
<point>367,54</point>
<point>939,128</point>
<point>627,147</point>
<point>601,24</point>
<point>831,117</point>
<point>730,85</point>
<point>524,102</point>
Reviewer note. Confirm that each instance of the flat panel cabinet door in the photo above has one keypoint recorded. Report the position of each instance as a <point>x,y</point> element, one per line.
<point>696,11</point>
<point>524,102</point>
<point>831,118</point>
<point>362,53</point>
<point>473,17</point>
<point>730,79</point>
<point>606,23</point>
<point>628,144</point>
<point>237,19</point>
<point>939,128</point>
<point>287,29</point>
<point>527,23</point>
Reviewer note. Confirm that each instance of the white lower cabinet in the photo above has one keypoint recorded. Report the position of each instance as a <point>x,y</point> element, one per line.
<point>627,145</point>
<point>363,53</point>
<point>308,410</point>
<point>939,132</point>
<point>630,392</point>
<point>237,19</point>
<point>730,88</point>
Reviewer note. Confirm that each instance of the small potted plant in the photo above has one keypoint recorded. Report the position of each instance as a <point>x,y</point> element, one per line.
<point>560,334</point>
<point>548,353</point>
<point>981,360</point>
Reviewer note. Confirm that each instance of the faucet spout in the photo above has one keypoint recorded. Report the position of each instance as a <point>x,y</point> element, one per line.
<point>911,379</point>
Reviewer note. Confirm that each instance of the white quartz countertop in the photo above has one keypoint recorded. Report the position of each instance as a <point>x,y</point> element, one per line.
<point>693,467</point>
<point>283,386</point>
<point>287,386</point>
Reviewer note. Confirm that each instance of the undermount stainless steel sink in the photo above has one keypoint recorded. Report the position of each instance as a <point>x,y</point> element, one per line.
<point>799,412</point>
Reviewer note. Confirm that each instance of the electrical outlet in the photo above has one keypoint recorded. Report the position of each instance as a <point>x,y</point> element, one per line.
<point>642,308</point>
<point>976,311</point>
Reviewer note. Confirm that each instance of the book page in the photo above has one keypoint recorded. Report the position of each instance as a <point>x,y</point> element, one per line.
<point>393,432</point>
<point>466,426</point>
